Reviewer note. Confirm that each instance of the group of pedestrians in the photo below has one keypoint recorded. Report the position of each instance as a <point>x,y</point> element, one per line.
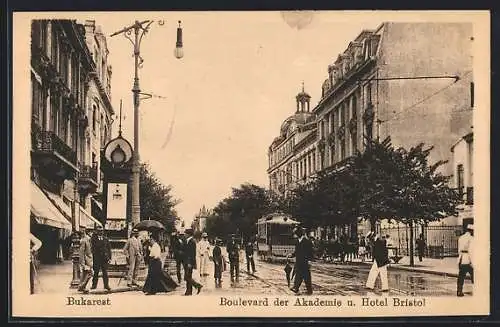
<point>95,255</point>
<point>200,255</point>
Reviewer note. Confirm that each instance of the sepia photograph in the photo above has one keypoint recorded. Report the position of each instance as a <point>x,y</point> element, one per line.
<point>274,163</point>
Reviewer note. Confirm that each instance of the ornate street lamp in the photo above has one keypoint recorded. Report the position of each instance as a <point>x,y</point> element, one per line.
<point>139,29</point>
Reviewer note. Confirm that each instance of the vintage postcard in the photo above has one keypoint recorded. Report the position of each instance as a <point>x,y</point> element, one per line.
<point>251,164</point>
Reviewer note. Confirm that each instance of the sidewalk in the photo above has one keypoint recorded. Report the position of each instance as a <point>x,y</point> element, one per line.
<point>56,278</point>
<point>445,266</point>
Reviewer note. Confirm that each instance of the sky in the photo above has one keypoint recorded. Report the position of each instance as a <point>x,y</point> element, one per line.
<point>226,98</point>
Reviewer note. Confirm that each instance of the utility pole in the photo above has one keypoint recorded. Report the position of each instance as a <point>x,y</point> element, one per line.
<point>139,29</point>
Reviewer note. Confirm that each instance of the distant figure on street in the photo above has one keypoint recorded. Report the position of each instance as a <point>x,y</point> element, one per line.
<point>233,251</point>
<point>249,251</point>
<point>203,252</point>
<point>379,266</point>
<point>420,247</point>
<point>190,263</point>
<point>218,263</point>
<point>86,261</point>
<point>133,253</point>
<point>362,248</point>
<point>35,245</point>
<point>390,247</point>
<point>157,280</point>
<point>177,244</point>
<point>303,254</point>
<point>465,258</point>
<point>101,255</point>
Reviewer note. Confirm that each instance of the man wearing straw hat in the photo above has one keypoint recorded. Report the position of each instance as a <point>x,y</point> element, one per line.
<point>465,259</point>
<point>86,262</point>
<point>133,253</point>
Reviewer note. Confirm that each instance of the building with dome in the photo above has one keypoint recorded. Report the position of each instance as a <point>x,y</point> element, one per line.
<point>410,81</point>
<point>292,155</point>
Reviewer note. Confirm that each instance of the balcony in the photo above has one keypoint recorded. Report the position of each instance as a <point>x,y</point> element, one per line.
<point>87,181</point>
<point>469,196</point>
<point>52,156</point>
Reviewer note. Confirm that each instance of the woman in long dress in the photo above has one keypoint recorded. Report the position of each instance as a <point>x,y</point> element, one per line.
<point>157,280</point>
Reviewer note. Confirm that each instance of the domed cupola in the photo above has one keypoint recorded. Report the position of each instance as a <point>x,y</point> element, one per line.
<point>303,101</point>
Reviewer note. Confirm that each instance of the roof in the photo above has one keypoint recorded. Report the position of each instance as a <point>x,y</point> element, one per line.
<point>278,218</point>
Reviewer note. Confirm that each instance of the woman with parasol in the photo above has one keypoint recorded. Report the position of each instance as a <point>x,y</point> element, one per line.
<point>157,280</point>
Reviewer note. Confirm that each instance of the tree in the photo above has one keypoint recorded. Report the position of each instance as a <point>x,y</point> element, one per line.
<point>238,213</point>
<point>401,185</point>
<point>157,202</point>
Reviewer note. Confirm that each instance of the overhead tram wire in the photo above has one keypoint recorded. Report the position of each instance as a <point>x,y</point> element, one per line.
<point>409,108</point>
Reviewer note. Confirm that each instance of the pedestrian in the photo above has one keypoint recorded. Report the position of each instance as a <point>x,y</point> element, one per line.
<point>420,247</point>
<point>362,248</point>
<point>249,251</point>
<point>133,253</point>
<point>288,270</point>
<point>177,244</point>
<point>203,252</point>
<point>35,245</point>
<point>218,263</point>
<point>390,247</point>
<point>190,263</point>
<point>379,266</point>
<point>85,254</point>
<point>302,254</point>
<point>157,280</point>
<point>101,255</point>
<point>465,258</point>
<point>233,250</point>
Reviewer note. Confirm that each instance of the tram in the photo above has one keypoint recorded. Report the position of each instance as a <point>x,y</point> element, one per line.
<point>275,235</point>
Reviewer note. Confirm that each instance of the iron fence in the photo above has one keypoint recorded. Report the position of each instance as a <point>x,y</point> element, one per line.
<point>440,241</point>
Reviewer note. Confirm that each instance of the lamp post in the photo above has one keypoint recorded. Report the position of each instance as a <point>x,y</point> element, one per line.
<point>139,29</point>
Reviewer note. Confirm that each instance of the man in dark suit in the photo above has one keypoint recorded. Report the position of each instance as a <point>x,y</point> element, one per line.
<point>233,251</point>
<point>249,251</point>
<point>303,254</point>
<point>177,248</point>
<point>380,262</point>
<point>101,255</point>
<point>190,263</point>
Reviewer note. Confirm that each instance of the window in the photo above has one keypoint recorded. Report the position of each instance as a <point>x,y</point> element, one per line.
<point>37,99</point>
<point>368,94</point>
<point>54,46</point>
<point>332,122</point>
<point>460,179</point>
<point>82,200</point>
<point>472,94</point>
<point>94,118</point>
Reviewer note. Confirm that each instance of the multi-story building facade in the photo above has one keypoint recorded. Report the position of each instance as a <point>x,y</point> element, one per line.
<point>292,155</point>
<point>64,173</point>
<point>410,81</point>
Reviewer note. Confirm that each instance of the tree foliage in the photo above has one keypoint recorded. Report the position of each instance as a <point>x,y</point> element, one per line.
<point>238,213</point>
<point>381,182</point>
<point>157,202</point>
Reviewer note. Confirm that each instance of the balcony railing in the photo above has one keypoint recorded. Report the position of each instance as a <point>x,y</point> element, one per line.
<point>48,141</point>
<point>88,172</point>
<point>469,199</point>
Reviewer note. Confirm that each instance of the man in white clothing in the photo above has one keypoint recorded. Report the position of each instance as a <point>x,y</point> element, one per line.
<point>203,251</point>
<point>465,258</point>
<point>380,262</point>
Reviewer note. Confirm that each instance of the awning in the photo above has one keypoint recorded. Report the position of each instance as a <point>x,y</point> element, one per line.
<point>87,220</point>
<point>60,204</point>
<point>45,212</point>
<point>97,203</point>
